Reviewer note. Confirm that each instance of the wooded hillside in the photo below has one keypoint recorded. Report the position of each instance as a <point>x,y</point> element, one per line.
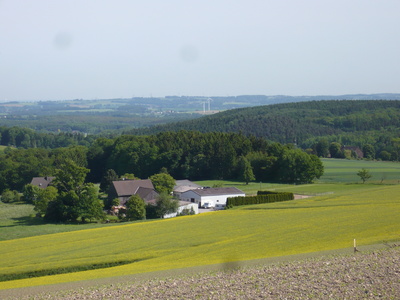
<point>355,122</point>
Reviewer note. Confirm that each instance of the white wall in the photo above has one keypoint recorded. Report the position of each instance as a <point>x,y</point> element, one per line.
<point>218,200</point>
<point>188,195</point>
<point>215,199</point>
<point>195,207</point>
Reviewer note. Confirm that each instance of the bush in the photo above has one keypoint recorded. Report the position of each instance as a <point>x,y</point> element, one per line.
<point>9,196</point>
<point>187,212</point>
<point>262,197</point>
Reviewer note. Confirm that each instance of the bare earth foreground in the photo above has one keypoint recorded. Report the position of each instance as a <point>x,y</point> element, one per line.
<point>362,275</point>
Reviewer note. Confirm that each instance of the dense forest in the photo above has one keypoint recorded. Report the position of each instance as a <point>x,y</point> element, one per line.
<point>92,123</point>
<point>114,115</point>
<point>348,123</point>
<point>185,154</point>
<point>19,137</point>
<point>371,125</point>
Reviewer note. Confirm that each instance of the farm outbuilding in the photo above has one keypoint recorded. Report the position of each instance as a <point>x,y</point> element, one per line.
<point>42,182</point>
<point>184,185</point>
<point>211,197</point>
<point>191,207</point>
<point>124,189</point>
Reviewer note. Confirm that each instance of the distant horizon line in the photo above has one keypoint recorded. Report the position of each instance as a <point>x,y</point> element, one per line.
<point>198,96</point>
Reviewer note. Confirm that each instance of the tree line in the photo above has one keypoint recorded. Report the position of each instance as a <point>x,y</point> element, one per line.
<point>198,156</point>
<point>184,154</point>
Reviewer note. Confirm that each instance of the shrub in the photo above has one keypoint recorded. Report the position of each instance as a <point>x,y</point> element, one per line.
<point>9,196</point>
<point>187,212</point>
<point>262,197</point>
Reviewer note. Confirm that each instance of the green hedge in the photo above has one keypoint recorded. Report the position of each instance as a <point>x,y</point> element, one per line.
<point>267,193</point>
<point>262,197</point>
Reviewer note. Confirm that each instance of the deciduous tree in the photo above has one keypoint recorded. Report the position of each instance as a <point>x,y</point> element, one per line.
<point>108,179</point>
<point>43,198</point>
<point>335,150</point>
<point>163,183</point>
<point>75,199</point>
<point>30,193</point>
<point>166,205</point>
<point>135,208</point>
<point>296,166</point>
<point>364,175</point>
<point>369,151</point>
<point>245,170</point>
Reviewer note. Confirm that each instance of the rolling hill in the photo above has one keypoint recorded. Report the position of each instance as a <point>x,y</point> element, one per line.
<point>299,122</point>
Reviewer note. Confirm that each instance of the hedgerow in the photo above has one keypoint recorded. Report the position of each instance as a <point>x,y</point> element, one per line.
<point>262,197</point>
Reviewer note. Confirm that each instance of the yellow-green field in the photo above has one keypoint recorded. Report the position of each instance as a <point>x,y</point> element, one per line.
<point>368,213</point>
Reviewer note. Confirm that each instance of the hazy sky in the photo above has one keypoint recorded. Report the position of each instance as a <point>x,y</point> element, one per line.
<point>68,49</point>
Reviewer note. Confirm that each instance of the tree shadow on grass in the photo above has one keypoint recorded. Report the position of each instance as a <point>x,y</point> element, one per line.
<point>27,221</point>
<point>34,221</point>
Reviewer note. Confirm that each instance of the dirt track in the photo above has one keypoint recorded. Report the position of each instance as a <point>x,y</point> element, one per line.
<point>372,275</point>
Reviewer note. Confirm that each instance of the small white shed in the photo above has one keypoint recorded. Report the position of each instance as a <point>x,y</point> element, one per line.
<point>215,196</point>
<point>184,205</point>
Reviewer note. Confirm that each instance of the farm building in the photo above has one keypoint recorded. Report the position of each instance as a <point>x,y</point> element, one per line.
<point>42,182</point>
<point>191,207</point>
<point>211,197</point>
<point>124,189</point>
<point>353,151</point>
<point>184,186</point>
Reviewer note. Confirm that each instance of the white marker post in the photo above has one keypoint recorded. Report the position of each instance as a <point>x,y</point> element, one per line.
<point>355,246</point>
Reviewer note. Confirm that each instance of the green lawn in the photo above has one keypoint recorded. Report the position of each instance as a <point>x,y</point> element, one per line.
<point>337,171</point>
<point>343,170</point>
<point>332,221</point>
<point>19,221</point>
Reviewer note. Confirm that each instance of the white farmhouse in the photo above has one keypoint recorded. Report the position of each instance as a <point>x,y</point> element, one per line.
<point>211,197</point>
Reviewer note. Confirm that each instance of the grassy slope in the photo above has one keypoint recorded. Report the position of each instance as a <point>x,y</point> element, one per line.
<point>19,221</point>
<point>315,224</point>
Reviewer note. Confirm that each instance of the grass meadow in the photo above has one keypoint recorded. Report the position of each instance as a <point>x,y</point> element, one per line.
<point>345,171</point>
<point>339,213</point>
<point>19,221</point>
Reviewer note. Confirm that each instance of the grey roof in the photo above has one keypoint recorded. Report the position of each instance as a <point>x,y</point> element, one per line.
<point>218,191</point>
<point>186,183</point>
<point>181,203</point>
<point>42,182</point>
<point>181,189</point>
<point>146,193</point>
<point>130,187</point>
